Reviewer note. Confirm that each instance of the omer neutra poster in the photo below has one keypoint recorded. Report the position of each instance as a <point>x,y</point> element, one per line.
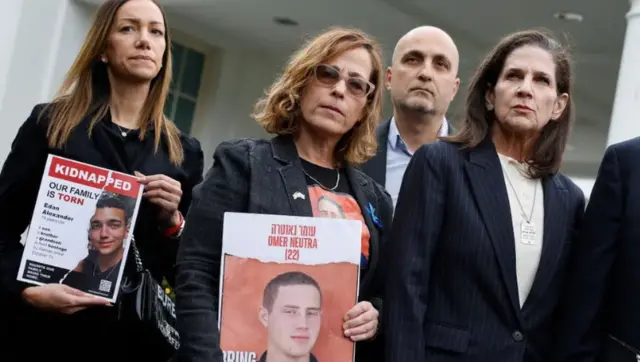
<point>81,227</point>
<point>286,284</point>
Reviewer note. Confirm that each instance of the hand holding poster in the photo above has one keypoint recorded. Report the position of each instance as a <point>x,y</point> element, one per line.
<point>81,227</point>
<point>286,284</point>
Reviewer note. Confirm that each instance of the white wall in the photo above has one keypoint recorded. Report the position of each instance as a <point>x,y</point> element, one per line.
<point>235,76</point>
<point>9,18</point>
<point>226,113</point>
<point>40,39</point>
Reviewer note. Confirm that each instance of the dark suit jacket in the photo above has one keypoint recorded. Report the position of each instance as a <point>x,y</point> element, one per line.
<point>452,292</point>
<point>602,296</point>
<point>254,176</point>
<point>376,167</point>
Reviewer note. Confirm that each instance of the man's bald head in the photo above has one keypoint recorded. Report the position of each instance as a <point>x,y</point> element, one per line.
<point>423,74</point>
<point>428,34</point>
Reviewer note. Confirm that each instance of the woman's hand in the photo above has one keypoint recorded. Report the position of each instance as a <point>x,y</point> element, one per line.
<point>361,322</point>
<point>164,192</point>
<point>61,298</point>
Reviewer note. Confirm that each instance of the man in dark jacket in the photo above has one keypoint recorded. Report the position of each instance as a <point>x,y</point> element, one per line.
<point>598,318</point>
<point>423,80</point>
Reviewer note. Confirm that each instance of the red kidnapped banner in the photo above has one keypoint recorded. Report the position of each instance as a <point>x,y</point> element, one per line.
<point>92,176</point>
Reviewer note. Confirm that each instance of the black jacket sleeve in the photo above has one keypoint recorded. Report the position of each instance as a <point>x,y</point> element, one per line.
<point>385,207</point>
<point>579,330</point>
<point>225,188</point>
<point>373,349</point>
<point>19,183</point>
<point>193,166</point>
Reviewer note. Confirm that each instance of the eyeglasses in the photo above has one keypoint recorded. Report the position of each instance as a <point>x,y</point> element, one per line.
<point>330,76</point>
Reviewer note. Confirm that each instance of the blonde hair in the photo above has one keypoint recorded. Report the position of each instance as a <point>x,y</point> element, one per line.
<point>86,89</point>
<point>278,112</point>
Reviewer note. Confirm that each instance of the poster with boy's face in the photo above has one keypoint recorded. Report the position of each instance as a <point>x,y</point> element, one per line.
<point>81,228</point>
<point>108,230</point>
<point>291,313</point>
<point>289,310</point>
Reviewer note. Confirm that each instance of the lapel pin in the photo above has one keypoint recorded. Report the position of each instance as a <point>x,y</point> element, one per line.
<point>374,217</point>
<point>298,195</point>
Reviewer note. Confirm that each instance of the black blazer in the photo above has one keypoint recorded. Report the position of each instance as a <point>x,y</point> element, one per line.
<point>254,176</point>
<point>19,183</point>
<point>376,167</point>
<point>600,309</point>
<point>452,293</point>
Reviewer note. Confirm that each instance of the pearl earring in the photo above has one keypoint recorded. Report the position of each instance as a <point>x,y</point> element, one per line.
<point>490,107</point>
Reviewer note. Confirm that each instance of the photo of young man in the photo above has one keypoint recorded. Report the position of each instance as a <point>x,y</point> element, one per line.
<point>328,207</point>
<point>291,312</point>
<point>108,228</point>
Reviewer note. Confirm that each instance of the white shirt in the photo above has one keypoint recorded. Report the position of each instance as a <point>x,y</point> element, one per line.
<point>526,201</point>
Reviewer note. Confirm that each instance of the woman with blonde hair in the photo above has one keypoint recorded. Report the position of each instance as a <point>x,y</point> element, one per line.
<point>108,113</point>
<point>323,111</point>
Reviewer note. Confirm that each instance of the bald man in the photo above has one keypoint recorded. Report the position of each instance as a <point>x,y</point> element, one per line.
<point>423,80</point>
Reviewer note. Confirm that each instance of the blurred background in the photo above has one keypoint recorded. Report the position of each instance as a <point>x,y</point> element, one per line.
<point>226,52</point>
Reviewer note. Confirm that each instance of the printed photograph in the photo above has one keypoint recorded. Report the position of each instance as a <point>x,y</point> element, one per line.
<point>287,312</point>
<point>107,233</point>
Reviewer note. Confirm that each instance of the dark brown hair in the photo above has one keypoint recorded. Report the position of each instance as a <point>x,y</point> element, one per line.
<point>545,156</point>
<point>283,280</point>
<point>276,111</point>
<point>86,88</point>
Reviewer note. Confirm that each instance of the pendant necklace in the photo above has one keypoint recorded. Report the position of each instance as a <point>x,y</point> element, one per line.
<point>122,132</point>
<point>527,227</point>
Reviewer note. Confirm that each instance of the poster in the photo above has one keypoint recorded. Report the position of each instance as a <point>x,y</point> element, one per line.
<point>81,227</point>
<point>286,283</point>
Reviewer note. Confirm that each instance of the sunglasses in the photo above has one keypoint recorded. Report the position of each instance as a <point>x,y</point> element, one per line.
<point>330,76</point>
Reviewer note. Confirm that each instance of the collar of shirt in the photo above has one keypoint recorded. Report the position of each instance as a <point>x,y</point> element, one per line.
<point>397,143</point>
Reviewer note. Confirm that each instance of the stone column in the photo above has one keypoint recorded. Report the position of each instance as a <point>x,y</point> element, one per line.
<point>625,118</point>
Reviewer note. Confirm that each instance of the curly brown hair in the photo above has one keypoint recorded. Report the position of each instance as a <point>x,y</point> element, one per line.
<point>278,112</point>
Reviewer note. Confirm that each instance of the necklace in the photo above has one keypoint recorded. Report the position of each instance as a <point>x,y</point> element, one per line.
<point>108,275</point>
<point>515,193</point>
<point>527,228</point>
<point>122,132</point>
<point>320,183</point>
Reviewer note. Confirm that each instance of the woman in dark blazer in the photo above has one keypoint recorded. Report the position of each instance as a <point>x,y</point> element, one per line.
<point>109,114</point>
<point>484,219</point>
<point>324,109</point>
